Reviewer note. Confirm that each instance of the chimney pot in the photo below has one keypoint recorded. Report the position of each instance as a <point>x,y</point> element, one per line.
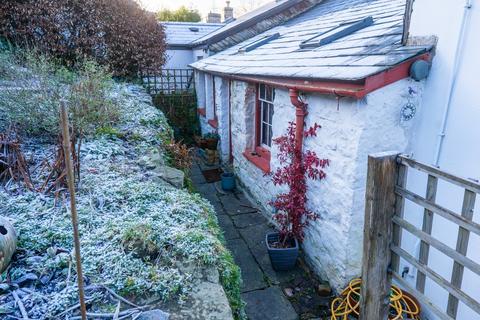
<point>227,12</point>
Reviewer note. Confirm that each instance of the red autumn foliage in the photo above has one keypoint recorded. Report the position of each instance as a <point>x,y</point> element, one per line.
<point>115,33</point>
<point>292,214</point>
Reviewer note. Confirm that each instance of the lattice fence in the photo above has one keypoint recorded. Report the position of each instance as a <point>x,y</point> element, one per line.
<point>168,81</point>
<point>387,193</point>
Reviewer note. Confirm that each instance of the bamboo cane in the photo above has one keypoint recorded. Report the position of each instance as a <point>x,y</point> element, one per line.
<point>73,207</point>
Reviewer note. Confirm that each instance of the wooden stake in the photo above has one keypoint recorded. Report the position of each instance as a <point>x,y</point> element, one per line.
<point>73,207</point>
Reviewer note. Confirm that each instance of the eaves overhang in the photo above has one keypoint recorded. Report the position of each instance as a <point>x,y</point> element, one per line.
<point>355,88</point>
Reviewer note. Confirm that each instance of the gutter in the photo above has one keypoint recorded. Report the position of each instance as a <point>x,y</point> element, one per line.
<point>357,89</point>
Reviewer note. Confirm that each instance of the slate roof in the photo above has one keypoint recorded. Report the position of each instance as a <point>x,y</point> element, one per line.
<point>353,57</point>
<point>183,33</point>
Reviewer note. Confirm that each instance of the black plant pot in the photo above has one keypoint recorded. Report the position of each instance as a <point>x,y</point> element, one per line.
<point>282,259</point>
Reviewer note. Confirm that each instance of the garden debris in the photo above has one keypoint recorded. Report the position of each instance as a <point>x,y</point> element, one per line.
<point>288,292</point>
<point>57,177</point>
<point>20,305</point>
<point>13,165</point>
<point>324,290</point>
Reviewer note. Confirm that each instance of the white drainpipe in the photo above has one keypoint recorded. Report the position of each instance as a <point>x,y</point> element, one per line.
<point>453,81</point>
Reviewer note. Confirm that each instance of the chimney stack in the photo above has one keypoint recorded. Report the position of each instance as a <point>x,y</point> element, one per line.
<point>227,12</point>
<point>214,17</point>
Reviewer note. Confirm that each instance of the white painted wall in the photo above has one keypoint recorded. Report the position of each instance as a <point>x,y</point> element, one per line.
<point>350,131</point>
<point>222,110</point>
<point>460,152</point>
<point>179,59</point>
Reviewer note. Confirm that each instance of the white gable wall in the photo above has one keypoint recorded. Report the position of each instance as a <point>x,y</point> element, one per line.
<point>460,152</point>
<point>350,131</point>
<point>179,59</point>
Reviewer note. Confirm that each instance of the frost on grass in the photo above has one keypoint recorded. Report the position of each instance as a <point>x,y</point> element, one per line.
<point>137,233</point>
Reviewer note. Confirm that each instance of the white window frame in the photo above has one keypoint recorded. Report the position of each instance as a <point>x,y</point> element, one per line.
<point>264,102</point>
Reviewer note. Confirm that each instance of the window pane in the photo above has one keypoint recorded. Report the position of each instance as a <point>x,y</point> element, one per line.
<point>269,136</point>
<point>268,93</point>
<point>262,91</point>
<point>270,114</point>
<point>265,134</point>
<point>264,111</point>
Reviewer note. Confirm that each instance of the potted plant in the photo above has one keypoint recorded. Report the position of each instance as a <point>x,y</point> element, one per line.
<point>292,214</point>
<point>211,140</point>
<point>207,141</point>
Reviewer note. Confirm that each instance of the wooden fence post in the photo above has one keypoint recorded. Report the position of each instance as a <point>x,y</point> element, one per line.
<point>379,210</point>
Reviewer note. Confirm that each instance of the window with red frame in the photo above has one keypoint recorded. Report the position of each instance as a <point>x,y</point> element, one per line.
<point>266,96</point>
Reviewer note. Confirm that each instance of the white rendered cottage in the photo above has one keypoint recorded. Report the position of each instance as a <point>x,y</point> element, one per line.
<point>340,64</point>
<point>179,37</point>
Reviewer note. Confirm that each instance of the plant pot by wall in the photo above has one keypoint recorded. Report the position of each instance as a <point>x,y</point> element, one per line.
<point>228,181</point>
<point>282,259</point>
<point>211,144</point>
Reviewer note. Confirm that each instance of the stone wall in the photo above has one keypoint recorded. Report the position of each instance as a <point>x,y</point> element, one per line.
<point>350,131</point>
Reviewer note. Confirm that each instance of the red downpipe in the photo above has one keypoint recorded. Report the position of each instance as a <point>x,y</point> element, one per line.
<point>300,112</point>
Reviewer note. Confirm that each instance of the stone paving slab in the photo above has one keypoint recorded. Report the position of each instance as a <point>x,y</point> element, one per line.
<point>198,179</point>
<point>248,219</point>
<point>207,191</point>
<point>254,236</point>
<point>195,171</point>
<point>268,304</point>
<point>252,275</point>
<point>234,206</point>
<point>229,230</point>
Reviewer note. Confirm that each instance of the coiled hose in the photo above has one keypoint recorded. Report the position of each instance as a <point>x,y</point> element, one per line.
<point>347,306</point>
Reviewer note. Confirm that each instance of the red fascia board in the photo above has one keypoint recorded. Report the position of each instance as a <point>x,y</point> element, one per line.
<point>392,75</point>
<point>355,88</point>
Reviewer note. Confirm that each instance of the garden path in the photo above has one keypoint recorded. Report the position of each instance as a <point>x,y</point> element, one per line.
<point>268,294</point>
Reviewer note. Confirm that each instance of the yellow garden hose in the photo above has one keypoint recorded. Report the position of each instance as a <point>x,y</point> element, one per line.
<point>402,306</point>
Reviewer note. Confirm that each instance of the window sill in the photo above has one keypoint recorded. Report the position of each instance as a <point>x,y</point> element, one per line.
<point>202,112</point>
<point>213,123</point>
<point>260,158</point>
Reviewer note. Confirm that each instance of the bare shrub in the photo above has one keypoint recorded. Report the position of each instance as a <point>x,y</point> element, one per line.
<point>40,85</point>
<point>178,155</point>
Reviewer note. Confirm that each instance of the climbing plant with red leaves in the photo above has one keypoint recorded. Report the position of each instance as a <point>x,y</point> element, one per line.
<point>297,166</point>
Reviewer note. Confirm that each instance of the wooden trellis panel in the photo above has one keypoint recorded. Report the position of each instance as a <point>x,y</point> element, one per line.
<point>168,81</point>
<point>376,224</point>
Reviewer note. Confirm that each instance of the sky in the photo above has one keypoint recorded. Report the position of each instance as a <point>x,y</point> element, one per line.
<point>204,6</point>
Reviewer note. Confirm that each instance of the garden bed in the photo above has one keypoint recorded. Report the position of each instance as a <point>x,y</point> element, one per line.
<point>141,238</point>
